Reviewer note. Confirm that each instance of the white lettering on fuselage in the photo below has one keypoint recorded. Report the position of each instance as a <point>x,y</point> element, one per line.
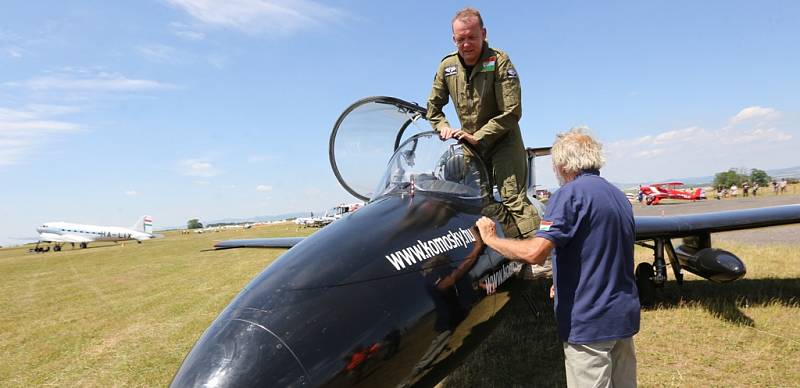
<point>424,250</point>
<point>492,281</point>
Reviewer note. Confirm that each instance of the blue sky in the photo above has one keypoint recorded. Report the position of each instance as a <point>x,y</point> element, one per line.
<point>210,109</point>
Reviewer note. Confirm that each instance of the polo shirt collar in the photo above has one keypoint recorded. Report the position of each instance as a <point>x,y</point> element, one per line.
<point>588,172</point>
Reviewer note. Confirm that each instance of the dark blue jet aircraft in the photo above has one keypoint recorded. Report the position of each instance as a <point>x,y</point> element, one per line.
<point>388,294</point>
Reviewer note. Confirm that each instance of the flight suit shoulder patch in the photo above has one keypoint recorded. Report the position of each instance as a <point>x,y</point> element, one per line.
<point>449,56</point>
<point>511,73</point>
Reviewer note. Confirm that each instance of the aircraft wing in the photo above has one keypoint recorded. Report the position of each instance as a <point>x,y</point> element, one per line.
<point>52,237</point>
<point>667,184</point>
<point>276,242</point>
<point>650,227</point>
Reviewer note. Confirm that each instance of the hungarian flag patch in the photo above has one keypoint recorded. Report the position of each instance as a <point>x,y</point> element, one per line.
<point>488,64</point>
<point>545,225</point>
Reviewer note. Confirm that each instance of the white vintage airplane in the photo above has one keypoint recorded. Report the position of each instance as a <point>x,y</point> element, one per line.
<point>60,233</point>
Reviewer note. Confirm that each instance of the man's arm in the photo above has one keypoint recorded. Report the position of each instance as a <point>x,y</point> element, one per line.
<point>464,267</point>
<point>509,101</point>
<point>532,251</point>
<point>438,99</point>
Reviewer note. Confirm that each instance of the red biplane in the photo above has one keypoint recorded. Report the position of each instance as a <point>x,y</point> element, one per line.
<point>654,193</point>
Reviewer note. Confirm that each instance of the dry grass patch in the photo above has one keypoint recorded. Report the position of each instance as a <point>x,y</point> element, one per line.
<point>127,315</point>
<point>745,333</point>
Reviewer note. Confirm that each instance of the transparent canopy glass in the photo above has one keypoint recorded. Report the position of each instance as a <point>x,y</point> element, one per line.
<point>375,130</point>
<point>425,163</point>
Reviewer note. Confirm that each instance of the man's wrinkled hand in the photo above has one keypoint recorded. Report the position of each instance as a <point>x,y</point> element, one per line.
<point>466,137</point>
<point>447,132</point>
<point>486,227</point>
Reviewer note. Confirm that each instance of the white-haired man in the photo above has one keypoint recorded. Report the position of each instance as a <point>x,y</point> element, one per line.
<point>590,224</point>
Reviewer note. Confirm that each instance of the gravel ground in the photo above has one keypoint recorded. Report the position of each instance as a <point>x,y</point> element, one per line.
<point>789,234</point>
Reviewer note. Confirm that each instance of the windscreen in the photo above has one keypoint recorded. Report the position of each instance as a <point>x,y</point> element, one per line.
<point>425,163</point>
<point>365,137</point>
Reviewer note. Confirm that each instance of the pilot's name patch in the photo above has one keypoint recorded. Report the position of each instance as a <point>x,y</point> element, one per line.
<point>545,225</point>
<point>424,250</point>
<point>449,70</point>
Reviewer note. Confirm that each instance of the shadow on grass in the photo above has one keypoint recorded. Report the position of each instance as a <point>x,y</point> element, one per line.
<point>725,301</point>
<point>523,350</point>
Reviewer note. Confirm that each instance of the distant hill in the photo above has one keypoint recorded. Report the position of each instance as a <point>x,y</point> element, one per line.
<point>789,172</point>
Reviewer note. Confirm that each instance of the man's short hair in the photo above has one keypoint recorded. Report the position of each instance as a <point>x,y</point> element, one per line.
<point>575,151</point>
<point>467,13</point>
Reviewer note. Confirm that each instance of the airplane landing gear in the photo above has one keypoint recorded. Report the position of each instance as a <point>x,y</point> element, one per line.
<point>56,248</point>
<point>83,245</point>
<point>649,277</point>
<point>645,284</point>
<point>37,248</point>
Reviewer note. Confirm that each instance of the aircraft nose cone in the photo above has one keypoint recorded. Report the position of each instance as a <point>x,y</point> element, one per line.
<point>240,353</point>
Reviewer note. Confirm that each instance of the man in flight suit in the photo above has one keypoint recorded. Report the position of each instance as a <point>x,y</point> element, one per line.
<point>486,93</point>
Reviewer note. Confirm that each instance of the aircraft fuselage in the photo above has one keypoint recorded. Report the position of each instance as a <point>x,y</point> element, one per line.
<point>331,311</point>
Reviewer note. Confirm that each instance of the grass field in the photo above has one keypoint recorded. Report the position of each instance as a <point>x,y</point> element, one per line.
<point>119,315</point>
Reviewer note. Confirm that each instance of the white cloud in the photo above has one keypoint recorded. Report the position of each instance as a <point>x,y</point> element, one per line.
<point>97,81</point>
<point>680,135</point>
<point>190,35</point>
<point>184,31</point>
<point>22,131</point>
<point>255,16</point>
<point>697,151</point>
<point>158,53</point>
<point>645,154</point>
<point>12,52</point>
<point>754,113</point>
<point>198,167</point>
<point>40,126</point>
<point>758,135</point>
<point>664,138</point>
<point>131,193</point>
<point>264,188</point>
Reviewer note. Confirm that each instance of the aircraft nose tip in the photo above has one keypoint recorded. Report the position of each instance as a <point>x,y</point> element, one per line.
<point>240,353</point>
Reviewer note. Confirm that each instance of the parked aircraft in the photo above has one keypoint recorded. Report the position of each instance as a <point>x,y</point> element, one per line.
<point>655,192</point>
<point>397,292</point>
<point>60,233</point>
<point>333,214</point>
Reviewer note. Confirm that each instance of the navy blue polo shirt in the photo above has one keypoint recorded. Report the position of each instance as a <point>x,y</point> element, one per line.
<point>591,224</point>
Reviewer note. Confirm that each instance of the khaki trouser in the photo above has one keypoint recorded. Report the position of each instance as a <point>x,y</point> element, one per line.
<point>508,165</point>
<point>607,364</point>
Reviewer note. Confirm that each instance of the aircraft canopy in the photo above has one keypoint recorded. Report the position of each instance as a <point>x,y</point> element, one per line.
<point>375,130</point>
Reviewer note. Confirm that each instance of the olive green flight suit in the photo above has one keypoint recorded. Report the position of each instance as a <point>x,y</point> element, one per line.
<point>488,103</point>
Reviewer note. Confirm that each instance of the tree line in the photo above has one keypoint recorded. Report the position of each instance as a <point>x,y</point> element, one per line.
<point>739,176</point>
